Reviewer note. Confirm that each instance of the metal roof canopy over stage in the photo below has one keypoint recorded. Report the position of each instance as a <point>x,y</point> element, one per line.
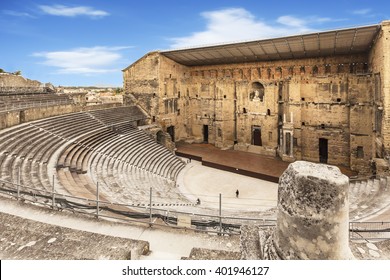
<point>335,42</point>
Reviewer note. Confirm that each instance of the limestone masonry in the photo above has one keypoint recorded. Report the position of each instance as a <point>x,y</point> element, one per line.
<point>321,97</point>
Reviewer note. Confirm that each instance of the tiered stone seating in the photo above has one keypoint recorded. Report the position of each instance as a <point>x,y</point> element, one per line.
<point>123,166</point>
<point>28,148</point>
<point>122,114</point>
<point>87,148</point>
<point>19,101</point>
<point>368,197</point>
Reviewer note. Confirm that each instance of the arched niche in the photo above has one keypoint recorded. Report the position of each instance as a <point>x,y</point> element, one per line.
<point>257,92</point>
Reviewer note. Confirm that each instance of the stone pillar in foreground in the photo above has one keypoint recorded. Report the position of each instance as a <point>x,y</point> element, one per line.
<point>313,213</point>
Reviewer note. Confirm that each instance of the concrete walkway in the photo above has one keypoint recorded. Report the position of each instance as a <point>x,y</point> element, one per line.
<point>165,243</point>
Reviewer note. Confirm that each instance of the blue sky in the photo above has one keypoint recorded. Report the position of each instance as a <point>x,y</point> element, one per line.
<point>82,43</point>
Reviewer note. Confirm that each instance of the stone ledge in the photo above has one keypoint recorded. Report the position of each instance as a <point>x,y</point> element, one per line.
<point>24,239</point>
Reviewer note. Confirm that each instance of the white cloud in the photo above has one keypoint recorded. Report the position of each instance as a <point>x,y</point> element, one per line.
<point>291,21</point>
<point>61,10</point>
<point>83,60</point>
<point>362,12</point>
<point>17,14</point>
<point>238,24</point>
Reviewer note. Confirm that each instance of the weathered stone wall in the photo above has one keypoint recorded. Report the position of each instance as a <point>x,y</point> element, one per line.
<point>325,97</point>
<point>141,79</point>
<point>379,61</point>
<point>16,84</point>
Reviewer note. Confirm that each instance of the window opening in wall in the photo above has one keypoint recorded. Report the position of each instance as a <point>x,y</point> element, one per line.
<point>315,70</point>
<point>224,96</point>
<point>365,68</point>
<point>205,133</point>
<point>302,98</point>
<point>270,136</point>
<point>295,142</point>
<point>280,90</point>
<point>269,73</point>
<point>288,143</point>
<point>268,112</point>
<point>323,150</point>
<point>160,137</point>
<point>359,152</point>
<point>377,88</point>
<point>154,119</point>
<point>322,126</point>
<point>338,99</point>
<point>256,136</point>
<point>327,68</point>
<point>303,123</point>
<point>378,120</point>
<point>22,116</point>
<point>171,132</point>
<point>244,110</point>
<point>352,68</point>
<point>219,132</point>
<point>166,106</point>
<point>340,68</point>
<point>178,94</point>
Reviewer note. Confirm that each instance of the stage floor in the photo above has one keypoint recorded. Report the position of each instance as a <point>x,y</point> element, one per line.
<point>244,163</point>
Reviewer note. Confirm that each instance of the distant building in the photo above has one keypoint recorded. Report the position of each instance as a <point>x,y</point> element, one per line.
<point>321,97</point>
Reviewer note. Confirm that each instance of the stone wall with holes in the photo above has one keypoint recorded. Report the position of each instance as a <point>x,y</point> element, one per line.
<point>332,98</point>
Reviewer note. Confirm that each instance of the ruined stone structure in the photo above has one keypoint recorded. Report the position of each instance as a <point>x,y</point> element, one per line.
<point>313,208</point>
<point>321,97</point>
<point>17,84</point>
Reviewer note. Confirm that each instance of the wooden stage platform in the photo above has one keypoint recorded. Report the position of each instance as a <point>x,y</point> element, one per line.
<point>244,163</point>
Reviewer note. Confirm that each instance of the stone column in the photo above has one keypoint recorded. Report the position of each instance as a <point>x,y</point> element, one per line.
<point>313,213</point>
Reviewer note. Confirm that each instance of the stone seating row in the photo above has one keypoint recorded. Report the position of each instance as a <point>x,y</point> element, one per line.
<point>367,197</point>
<point>122,114</point>
<point>126,166</point>
<point>25,150</point>
<point>136,148</point>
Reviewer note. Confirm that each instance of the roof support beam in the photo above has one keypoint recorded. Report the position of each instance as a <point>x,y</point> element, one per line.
<point>353,40</point>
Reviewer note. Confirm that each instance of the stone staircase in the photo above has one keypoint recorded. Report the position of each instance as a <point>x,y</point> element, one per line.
<point>369,198</point>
